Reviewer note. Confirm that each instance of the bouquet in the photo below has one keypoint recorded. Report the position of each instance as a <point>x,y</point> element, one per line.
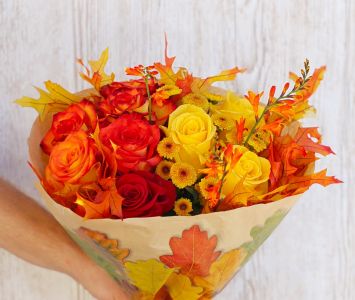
<point>167,181</point>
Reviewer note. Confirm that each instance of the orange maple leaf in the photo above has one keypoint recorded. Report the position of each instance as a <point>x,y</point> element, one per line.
<point>320,178</point>
<point>311,86</point>
<point>193,253</point>
<point>93,210</point>
<point>111,196</point>
<point>276,167</point>
<point>305,137</point>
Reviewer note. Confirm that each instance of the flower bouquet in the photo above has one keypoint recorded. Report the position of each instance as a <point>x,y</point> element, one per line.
<point>167,181</point>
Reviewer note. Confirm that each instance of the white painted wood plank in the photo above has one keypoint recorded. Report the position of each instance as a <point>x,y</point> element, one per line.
<point>34,46</point>
<point>310,256</point>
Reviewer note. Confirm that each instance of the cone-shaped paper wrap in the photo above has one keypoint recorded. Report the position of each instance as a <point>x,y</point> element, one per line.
<point>180,258</point>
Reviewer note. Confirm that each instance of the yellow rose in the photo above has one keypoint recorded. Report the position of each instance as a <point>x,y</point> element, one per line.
<point>191,127</point>
<point>233,108</point>
<point>251,168</point>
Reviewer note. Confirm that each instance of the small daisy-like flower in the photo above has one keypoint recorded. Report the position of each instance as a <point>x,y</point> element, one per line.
<point>206,186</point>
<point>183,174</point>
<point>183,207</point>
<point>197,100</point>
<point>222,122</point>
<point>167,148</point>
<point>163,169</point>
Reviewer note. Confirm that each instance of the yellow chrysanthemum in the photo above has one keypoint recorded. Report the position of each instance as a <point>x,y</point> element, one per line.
<point>183,174</point>
<point>167,148</point>
<point>183,207</point>
<point>197,100</point>
<point>222,122</point>
<point>206,185</point>
<point>260,140</point>
<point>163,169</point>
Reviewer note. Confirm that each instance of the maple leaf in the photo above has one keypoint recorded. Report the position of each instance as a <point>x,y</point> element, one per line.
<point>55,99</point>
<point>319,178</point>
<point>97,76</point>
<point>180,288</point>
<point>238,198</point>
<point>111,196</point>
<point>311,86</point>
<point>109,244</point>
<point>260,233</point>
<point>221,272</point>
<point>168,60</point>
<point>305,137</point>
<point>93,210</point>
<point>193,253</point>
<point>148,276</point>
<point>203,86</point>
<point>115,200</point>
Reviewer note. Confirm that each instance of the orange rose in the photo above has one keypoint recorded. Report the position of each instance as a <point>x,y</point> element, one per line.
<point>71,163</point>
<point>134,142</point>
<point>69,121</point>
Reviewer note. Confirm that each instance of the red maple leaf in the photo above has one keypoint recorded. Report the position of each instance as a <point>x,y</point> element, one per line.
<point>193,253</point>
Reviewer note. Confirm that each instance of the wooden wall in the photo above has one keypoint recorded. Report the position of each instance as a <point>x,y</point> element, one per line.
<point>311,255</point>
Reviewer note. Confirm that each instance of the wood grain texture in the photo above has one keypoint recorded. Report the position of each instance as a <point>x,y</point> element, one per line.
<point>311,255</point>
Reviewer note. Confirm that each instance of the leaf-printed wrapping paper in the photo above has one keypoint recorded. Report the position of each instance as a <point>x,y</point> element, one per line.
<point>186,258</point>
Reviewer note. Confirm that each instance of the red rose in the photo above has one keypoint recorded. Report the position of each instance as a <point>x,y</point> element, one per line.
<point>124,96</point>
<point>134,142</point>
<point>69,121</point>
<point>145,194</point>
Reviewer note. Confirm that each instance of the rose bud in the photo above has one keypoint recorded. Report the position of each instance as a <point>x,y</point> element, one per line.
<point>120,97</point>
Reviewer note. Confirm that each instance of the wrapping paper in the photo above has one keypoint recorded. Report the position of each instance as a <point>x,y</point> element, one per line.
<point>179,258</point>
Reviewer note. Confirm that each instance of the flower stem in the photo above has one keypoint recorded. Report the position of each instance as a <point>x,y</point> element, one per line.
<point>270,105</point>
<point>149,99</point>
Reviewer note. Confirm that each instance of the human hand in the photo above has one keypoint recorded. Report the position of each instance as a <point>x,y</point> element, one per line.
<point>34,235</point>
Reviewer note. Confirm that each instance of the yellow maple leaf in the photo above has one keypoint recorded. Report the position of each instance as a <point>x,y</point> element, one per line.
<point>97,77</point>
<point>221,271</point>
<point>204,87</point>
<point>148,276</point>
<point>180,288</point>
<point>55,99</point>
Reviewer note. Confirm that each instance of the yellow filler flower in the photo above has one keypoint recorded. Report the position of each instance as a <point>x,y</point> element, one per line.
<point>183,174</point>
<point>183,207</point>
<point>163,169</point>
<point>167,148</point>
<point>206,186</point>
